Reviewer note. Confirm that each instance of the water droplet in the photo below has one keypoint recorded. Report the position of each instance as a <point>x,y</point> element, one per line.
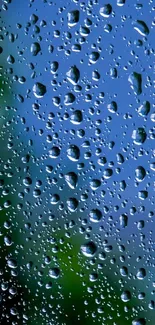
<point>144,109</point>
<point>122,185</point>
<point>54,67</point>
<point>12,263</point>
<point>33,19</point>
<point>71,178</point>
<point>69,99</point>
<point>93,57</point>
<point>113,73</point>
<point>141,274</point>
<point>112,107</point>
<point>35,48</point>
<point>139,136</point>
<point>95,184</point>
<point>124,271</point>
<point>126,296</point>
<point>140,224</point>
<point>95,215</point>
<point>108,172</point>
<point>73,17</point>
<point>7,240</point>
<point>54,273</point>
<point>141,27</point>
<point>107,28</point>
<point>106,10</point>
<point>89,249</point>
<point>49,169</point>
<point>120,3</point>
<point>140,173</point>
<point>27,181</point>
<point>72,204</point>
<point>95,75</point>
<point>152,166</point>
<point>142,195</point>
<point>73,75</point>
<point>76,117</point>
<point>120,158</point>
<point>73,152</point>
<point>10,59</point>
<point>39,90</point>
<point>36,193</point>
<point>135,80</point>
<point>123,220</point>
<point>93,277</point>
<point>54,152</point>
<point>84,31</point>
<point>54,199</point>
<point>152,117</point>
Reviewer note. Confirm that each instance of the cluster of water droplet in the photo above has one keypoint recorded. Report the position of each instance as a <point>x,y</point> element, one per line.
<point>76,179</point>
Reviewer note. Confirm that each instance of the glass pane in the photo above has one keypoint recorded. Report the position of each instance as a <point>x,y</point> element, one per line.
<point>77,162</point>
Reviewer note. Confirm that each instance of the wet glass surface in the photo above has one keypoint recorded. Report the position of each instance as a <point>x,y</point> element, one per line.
<point>77,162</point>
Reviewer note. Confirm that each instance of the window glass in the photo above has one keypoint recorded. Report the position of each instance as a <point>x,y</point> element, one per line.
<point>77,162</point>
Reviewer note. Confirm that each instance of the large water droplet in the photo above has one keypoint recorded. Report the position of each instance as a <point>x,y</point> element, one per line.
<point>135,80</point>
<point>73,75</point>
<point>12,263</point>
<point>106,10</point>
<point>35,48</point>
<point>144,109</point>
<point>89,249</point>
<point>69,99</point>
<point>142,195</point>
<point>71,179</point>
<point>93,57</point>
<point>73,17</point>
<point>140,173</point>
<point>139,136</point>
<point>76,117</point>
<point>108,172</point>
<point>141,274</point>
<point>95,215</point>
<point>54,152</point>
<point>54,273</point>
<point>141,27</point>
<point>95,184</point>
<point>73,152</point>
<point>120,158</point>
<point>123,271</point>
<point>120,3</point>
<point>39,90</point>
<point>54,67</point>
<point>112,107</point>
<point>126,296</point>
<point>72,204</point>
<point>123,220</point>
